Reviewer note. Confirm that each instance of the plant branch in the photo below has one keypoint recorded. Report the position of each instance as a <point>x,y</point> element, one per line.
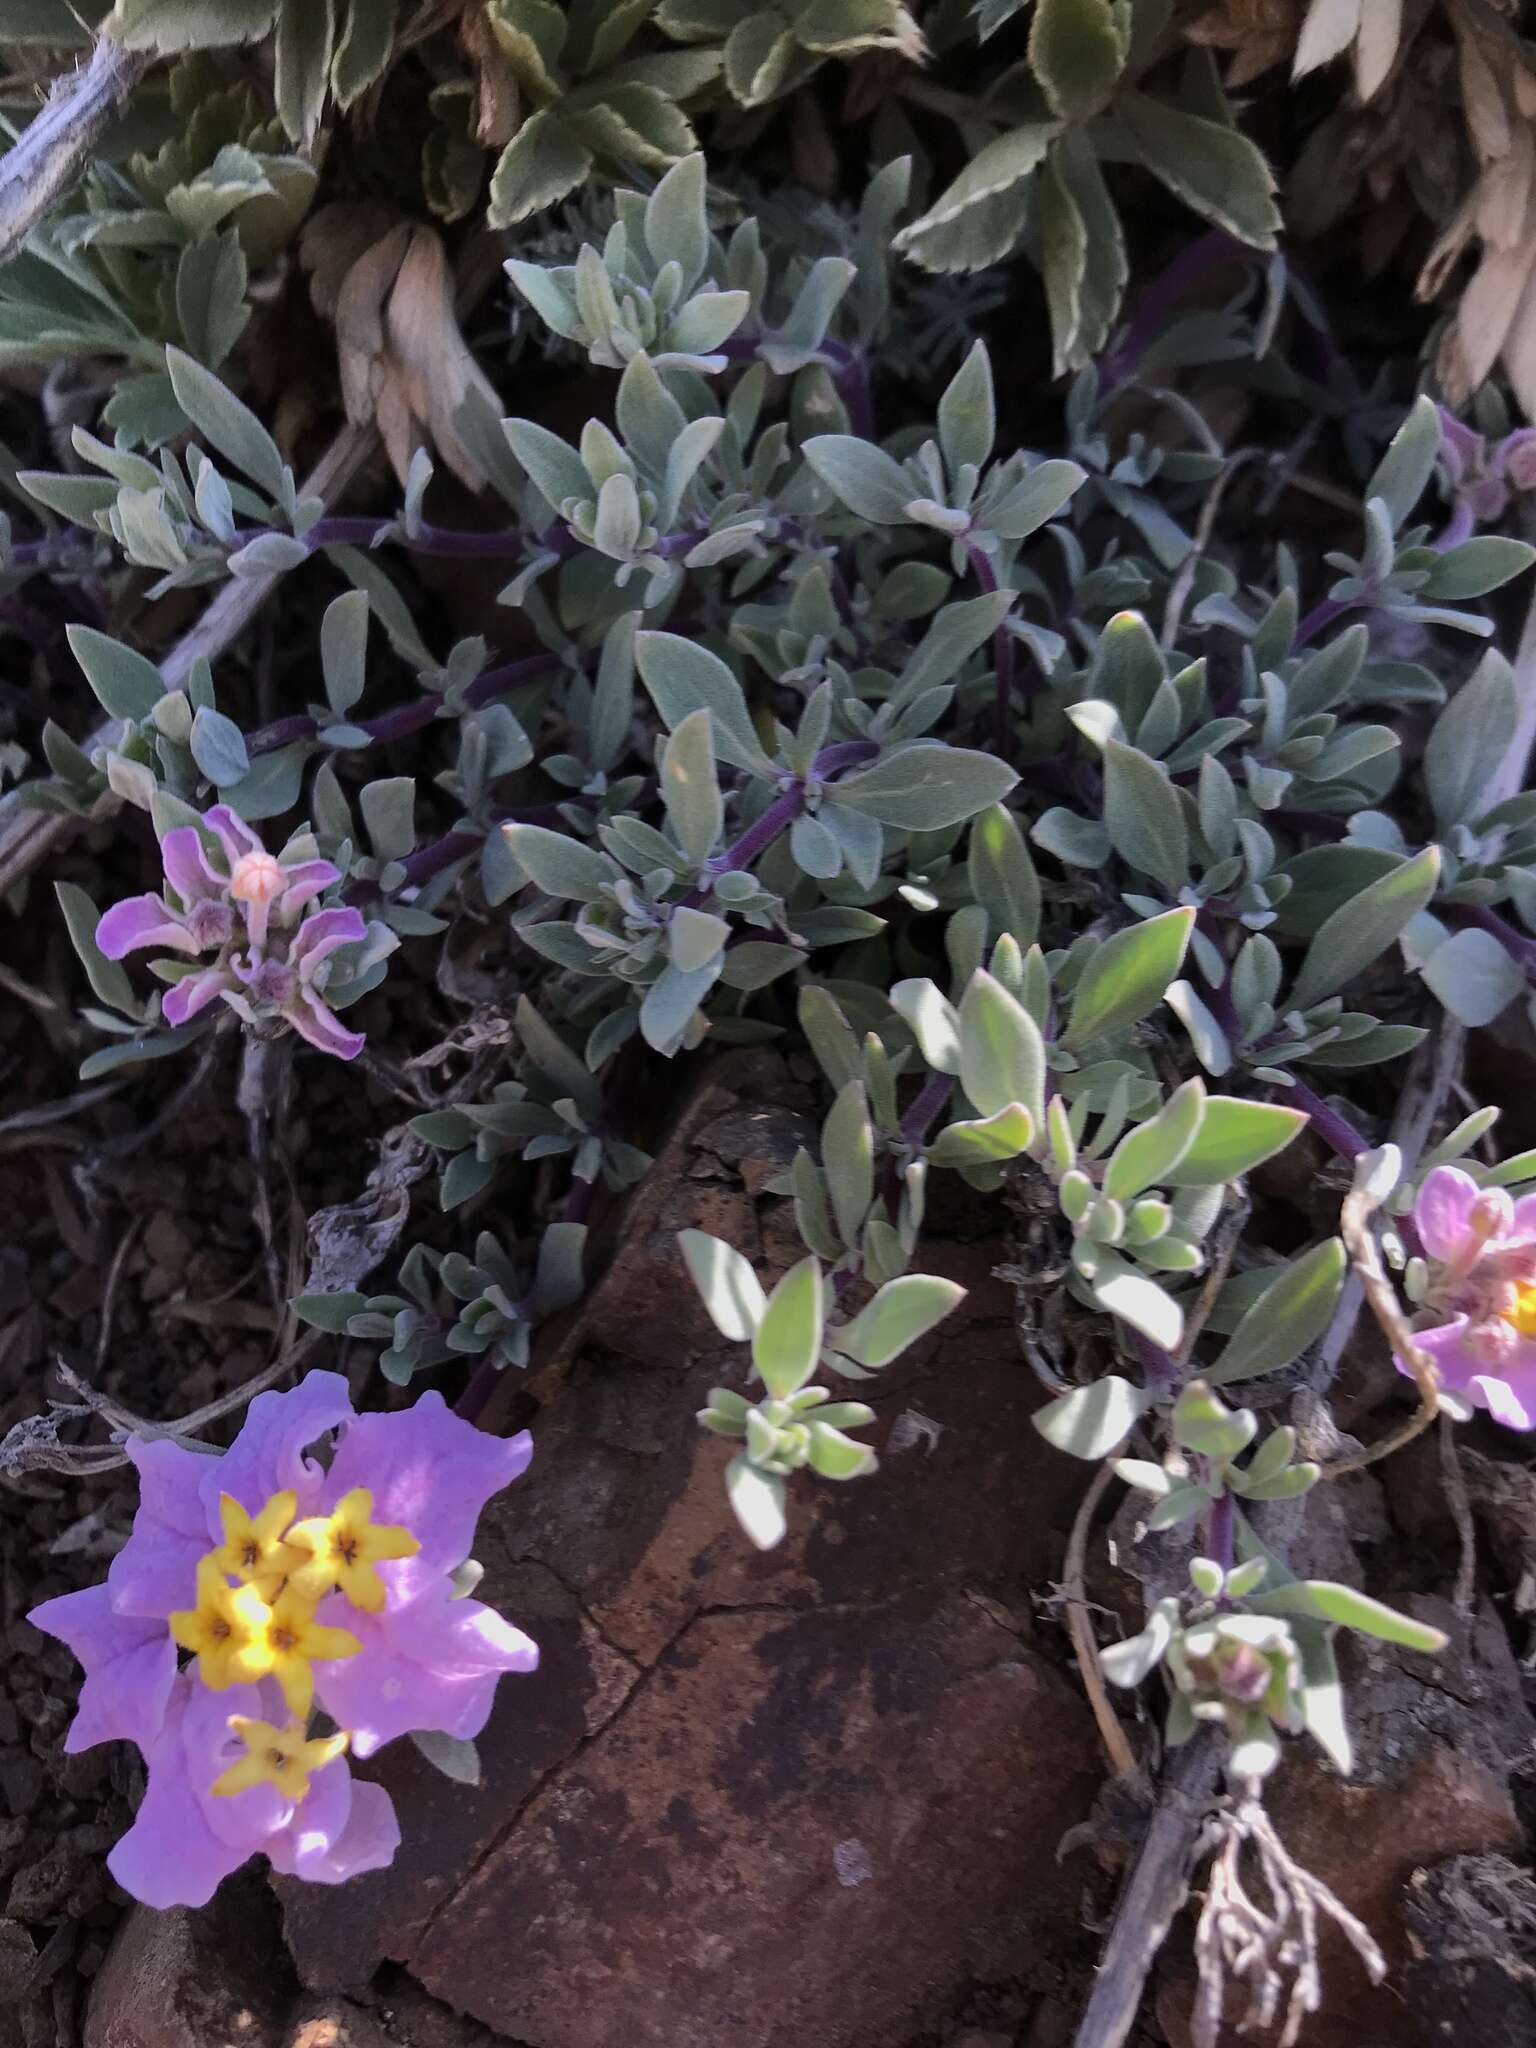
<point>52,151</point>
<point>1002,648</point>
<point>1152,1895</point>
<point>1117,1748</point>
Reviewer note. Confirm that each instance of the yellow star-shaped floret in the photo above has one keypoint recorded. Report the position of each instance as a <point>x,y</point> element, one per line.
<point>253,1550</point>
<point>223,1627</point>
<point>276,1756</point>
<point>344,1547</point>
<point>288,1639</point>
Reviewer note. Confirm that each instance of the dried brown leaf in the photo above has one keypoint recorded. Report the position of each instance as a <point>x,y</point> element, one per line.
<point>1259,34</point>
<point>497,101</point>
<point>1376,46</point>
<point>1329,29</point>
<point>404,364</point>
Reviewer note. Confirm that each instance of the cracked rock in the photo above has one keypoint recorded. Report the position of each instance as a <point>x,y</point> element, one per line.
<point>802,1800</point>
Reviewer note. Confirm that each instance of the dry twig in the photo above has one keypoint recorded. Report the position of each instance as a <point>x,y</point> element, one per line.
<point>1461,1513</point>
<point>1122,1758</point>
<point>53,148</point>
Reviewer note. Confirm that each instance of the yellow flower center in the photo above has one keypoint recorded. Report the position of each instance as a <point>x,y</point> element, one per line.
<point>343,1549</point>
<point>222,1628</point>
<point>253,1549</point>
<point>276,1756</point>
<point>264,1626</point>
<point>1521,1312</point>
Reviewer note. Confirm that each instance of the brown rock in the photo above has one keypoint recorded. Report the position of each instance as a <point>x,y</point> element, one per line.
<point>805,1798</point>
<point>202,1979</point>
<point>339,1938</point>
<point>18,1952</point>
<point>400,2015</point>
<point>804,1827</point>
<point>1472,1922</point>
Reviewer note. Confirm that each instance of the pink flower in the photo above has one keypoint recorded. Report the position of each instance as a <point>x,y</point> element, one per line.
<point>273,946</point>
<point>1481,1250</point>
<point>292,1581</point>
<point>188,1836</point>
<point>1480,478</point>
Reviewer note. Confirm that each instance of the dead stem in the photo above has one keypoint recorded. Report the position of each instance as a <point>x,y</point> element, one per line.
<point>1183,582</point>
<point>1152,1894</point>
<point>266,1069</point>
<point>1465,1594</point>
<point>51,151</point>
<point>109,1293</point>
<point>1271,1949</point>
<point>1122,1758</point>
<point>1355,1223</point>
<point>1227,1233</point>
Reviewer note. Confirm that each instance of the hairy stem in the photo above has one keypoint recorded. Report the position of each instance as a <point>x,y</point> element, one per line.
<point>52,150</point>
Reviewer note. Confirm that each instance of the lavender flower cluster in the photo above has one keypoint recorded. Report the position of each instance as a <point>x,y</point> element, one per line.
<point>274,1610</point>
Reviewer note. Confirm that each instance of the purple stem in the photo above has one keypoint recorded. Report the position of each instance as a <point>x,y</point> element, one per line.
<point>510,544</point>
<point>428,861</point>
<point>1335,1130</point>
<point>1320,617</point>
<point>1159,1368</point>
<point>925,1106</point>
<point>852,381</point>
<point>1218,1531</point>
<point>757,838</point>
<point>1163,294</point>
<point>843,754</point>
<point>779,816</point>
<point>471,1403</point>
<point>404,719</point>
<point>1519,948</point>
<point>1002,648</point>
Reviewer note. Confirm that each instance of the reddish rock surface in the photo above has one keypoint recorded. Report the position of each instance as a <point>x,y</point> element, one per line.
<point>812,1798</point>
<point>748,1800</point>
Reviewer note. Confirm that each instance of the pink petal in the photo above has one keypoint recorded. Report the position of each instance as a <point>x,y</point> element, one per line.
<point>140,921</point>
<point>315,1848</point>
<point>319,936</point>
<point>1449,1346</point>
<point>130,1667</point>
<point>318,1023</point>
<point>1513,1405</point>
<point>244,1820</point>
<point>433,1663</point>
<point>233,834</point>
<point>267,1456</point>
<point>187,867</point>
<point>1461,446</point>
<point>1522,1227</point>
<point>1442,1210</point>
<point>316,1824</point>
<point>305,880</point>
<point>192,993</point>
<point>430,1470</point>
<point>156,1570</point>
<point>1458,528</point>
<point>171,1855</point>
